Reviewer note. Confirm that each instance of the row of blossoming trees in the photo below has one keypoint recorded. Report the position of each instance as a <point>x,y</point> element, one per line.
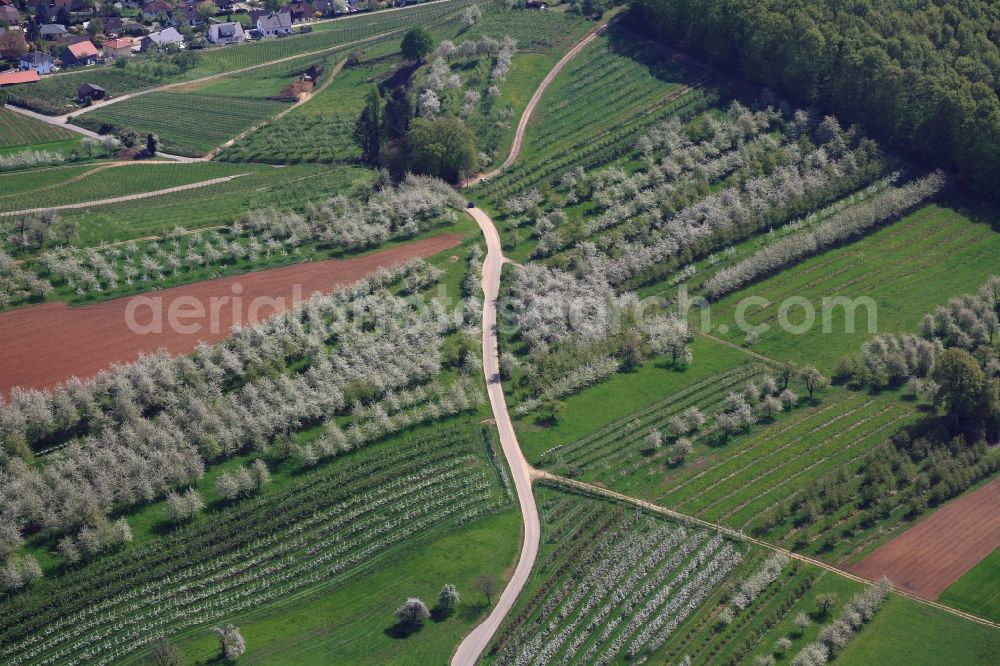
<point>259,237</point>
<point>367,364</point>
<point>798,183</point>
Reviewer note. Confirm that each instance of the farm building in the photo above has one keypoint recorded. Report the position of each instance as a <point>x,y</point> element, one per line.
<point>275,24</point>
<point>52,32</point>
<point>162,39</point>
<point>91,92</point>
<point>81,53</point>
<point>226,33</point>
<point>14,78</point>
<point>36,61</point>
<point>9,15</point>
<point>118,48</point>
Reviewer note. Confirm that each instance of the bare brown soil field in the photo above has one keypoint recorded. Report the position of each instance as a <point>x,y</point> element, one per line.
<point>935,552</point>
<point>49,343</point>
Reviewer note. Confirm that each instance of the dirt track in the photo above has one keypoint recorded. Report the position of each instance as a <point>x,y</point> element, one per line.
<point>935,552</point>
<point>49,343</point>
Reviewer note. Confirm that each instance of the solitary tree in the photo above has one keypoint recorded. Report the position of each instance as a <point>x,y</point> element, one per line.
<point>826,601</point>
<point>471,15</point>
<point>416,44</point>
<point>412,613</point>
<point>801,622</point>
<point>487,585</point>
<point>448,598</point>
<point>165,653</point>
<point>813,380</point>
<point>231,642</point>
<point>152,143</point>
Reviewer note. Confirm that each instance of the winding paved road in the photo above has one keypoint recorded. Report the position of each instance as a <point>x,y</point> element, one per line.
<point>475,643</point>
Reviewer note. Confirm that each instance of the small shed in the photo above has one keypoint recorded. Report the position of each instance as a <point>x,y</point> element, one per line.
<point>91,92</point>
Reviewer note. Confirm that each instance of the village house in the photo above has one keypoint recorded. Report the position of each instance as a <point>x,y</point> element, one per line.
<point>226,33</point>
<point>161,39</point>
<point>151,10</point>
<point>9,15</point>
<point>118,48</point>
<point>79,54</point>
<point>69,5</point>
<point>301,11</point>
<point>186,16</point>
<point>52,32</point>
<point>36,61</point>
<point>113,26</point>
<point>275,24</point>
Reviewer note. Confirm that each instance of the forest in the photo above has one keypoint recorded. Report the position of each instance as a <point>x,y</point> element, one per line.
<point>920,75</point>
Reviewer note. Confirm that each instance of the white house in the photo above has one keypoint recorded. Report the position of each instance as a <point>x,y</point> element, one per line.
<point>226,33</point>
<point>40,62</point>
<point>275,24</point>
<point>161,39</point>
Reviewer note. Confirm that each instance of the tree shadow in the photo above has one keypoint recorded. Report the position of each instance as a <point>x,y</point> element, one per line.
<point>403,630</point>
<point>469,612</point>
<point>440,614</point>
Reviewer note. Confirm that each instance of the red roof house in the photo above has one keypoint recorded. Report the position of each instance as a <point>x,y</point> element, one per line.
<point>81,53</point>
<point>13,78</point>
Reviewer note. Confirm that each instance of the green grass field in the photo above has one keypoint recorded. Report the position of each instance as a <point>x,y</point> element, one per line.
<point>907,268</point>
<point>55,187</point>
<point>18,130</point>
<point>623,394</point>
<point>352,624</point>
<point>15,183</point>
<point>187,123</point>
<point>289,187</point>
<point>906,632</point>
<point>978,590</point>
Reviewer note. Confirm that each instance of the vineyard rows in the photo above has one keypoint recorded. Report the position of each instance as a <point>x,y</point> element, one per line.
<point>18,130</point>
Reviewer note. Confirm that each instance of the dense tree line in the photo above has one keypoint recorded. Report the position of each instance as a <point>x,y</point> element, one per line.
<point>921,76</point>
